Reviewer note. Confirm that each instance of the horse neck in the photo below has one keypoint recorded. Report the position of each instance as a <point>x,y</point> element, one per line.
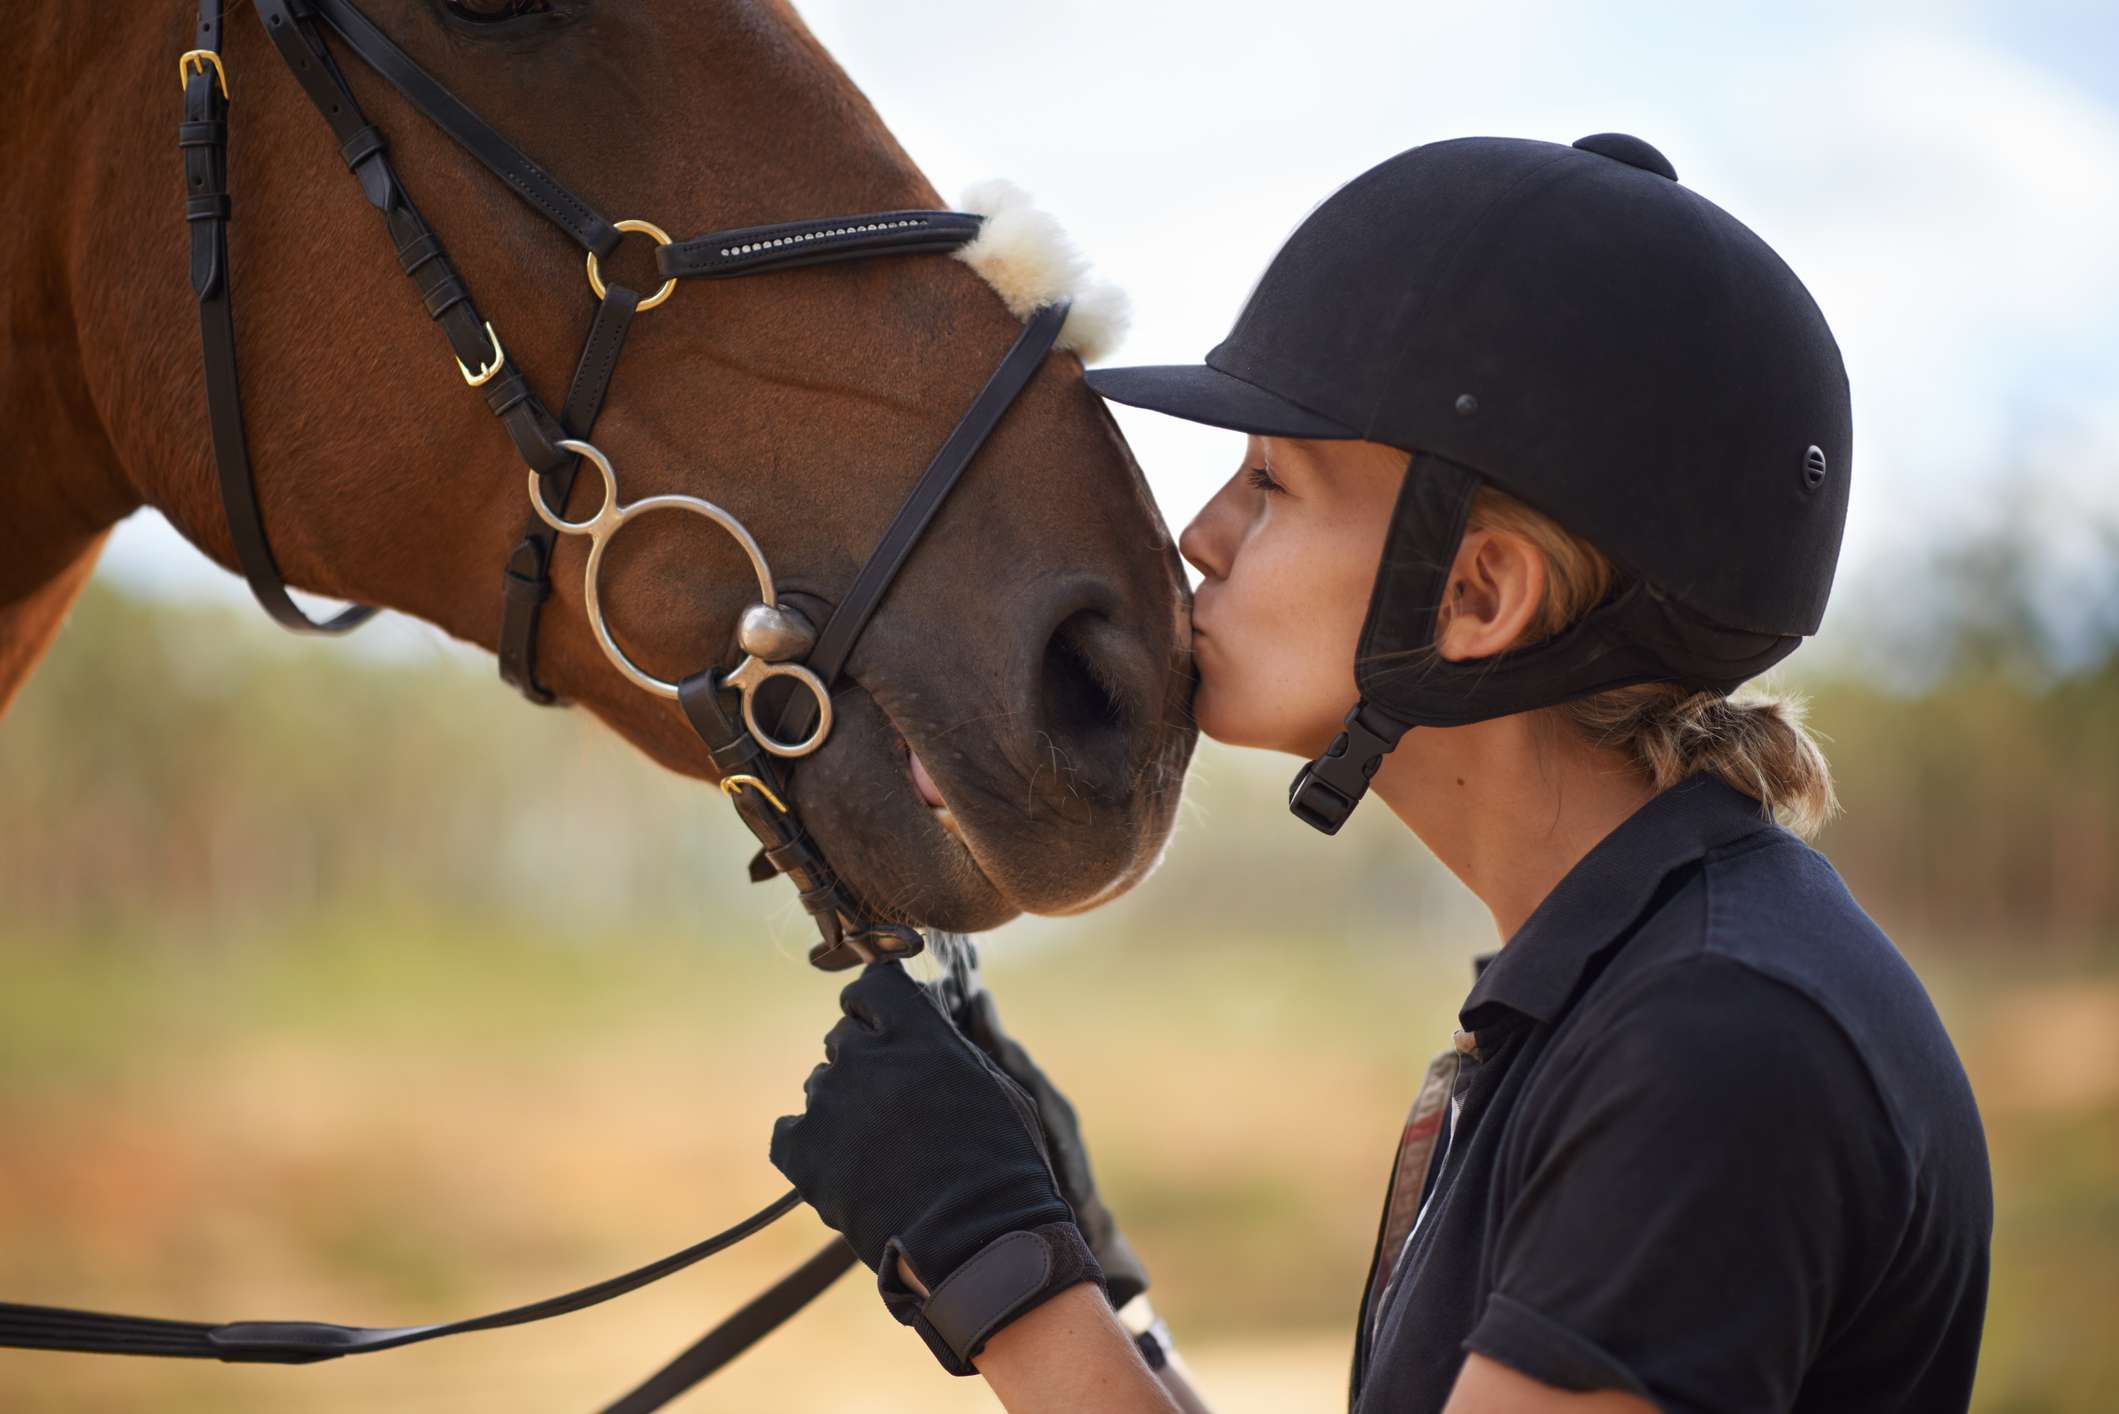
<point>65,486</point>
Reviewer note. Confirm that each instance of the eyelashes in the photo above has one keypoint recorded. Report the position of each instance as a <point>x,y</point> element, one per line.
<point>486,12</point>
<point>1261,479</point>
<point>505,20</point>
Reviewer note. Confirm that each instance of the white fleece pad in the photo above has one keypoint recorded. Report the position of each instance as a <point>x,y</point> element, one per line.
<point>1022,252</point>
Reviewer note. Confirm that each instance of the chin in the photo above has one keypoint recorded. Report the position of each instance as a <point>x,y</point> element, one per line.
<point>1223,716</point>
<point>1220,716</point>
<point>1214,721</point>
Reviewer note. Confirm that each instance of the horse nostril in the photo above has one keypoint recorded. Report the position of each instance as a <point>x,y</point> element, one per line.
<point>1084,706</point>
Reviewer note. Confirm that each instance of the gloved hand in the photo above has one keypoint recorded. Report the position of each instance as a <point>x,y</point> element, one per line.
<point>1124,1277</point>
<point>958,990</point>
<point>921,1152</point>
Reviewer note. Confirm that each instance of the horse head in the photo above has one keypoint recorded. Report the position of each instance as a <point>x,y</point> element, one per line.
<point>1028,668</point>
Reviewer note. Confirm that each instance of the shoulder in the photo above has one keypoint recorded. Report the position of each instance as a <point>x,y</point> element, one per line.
<point>1760,991</point>
<point>1755,1080</point>
<point>1705,1043</point>
<point>1716,1111</point>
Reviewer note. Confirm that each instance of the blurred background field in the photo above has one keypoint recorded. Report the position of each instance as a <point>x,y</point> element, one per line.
<point>315,1001</point>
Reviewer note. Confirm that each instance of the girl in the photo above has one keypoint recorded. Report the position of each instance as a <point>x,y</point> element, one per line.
<point>1547,455</point>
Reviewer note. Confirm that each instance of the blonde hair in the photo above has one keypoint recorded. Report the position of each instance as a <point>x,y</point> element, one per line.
<point>1754,740</point>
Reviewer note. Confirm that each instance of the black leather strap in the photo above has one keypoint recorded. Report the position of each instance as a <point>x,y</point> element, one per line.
<point>203,138</point>
<point>747,250</point>
<point>599,360</point>
<point>770,1310</point>
<point>849,934</point>
<point>524,177</point>
<point>304,1342</point>
<point>853,612</point>
<point>425,261</point>
<point>525,580</point>
<point>420,252</point>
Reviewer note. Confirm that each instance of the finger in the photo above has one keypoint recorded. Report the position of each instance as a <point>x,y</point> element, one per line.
<point>876,993</point>
<point>886,998</point>
<point>1025,1110</point>
<point>847,1034</point>
<point>982,1024</point>
<point>786,1144</point>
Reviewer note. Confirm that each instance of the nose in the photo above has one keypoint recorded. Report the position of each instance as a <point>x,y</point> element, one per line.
<point>1208,541</point>
<point>1095,691</point>
<point>1192,544</point>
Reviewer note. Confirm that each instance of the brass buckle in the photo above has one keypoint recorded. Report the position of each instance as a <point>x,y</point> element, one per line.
<point>731,784</point>
<point>485,374</point>
<point>645,228</point>
<point>194,61</point>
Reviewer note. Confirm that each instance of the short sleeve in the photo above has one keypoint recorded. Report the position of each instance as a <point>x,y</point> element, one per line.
<point>1696,1184</point>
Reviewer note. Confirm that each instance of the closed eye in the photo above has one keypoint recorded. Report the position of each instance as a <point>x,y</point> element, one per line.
<point>509,19</point>
<point>1261,479</point>
<point>487,12</point>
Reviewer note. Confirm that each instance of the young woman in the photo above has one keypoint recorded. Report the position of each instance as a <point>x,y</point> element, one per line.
<point>1547,456</point>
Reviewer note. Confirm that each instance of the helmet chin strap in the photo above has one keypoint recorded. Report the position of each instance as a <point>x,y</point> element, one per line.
<point>1325,792</point>
<point>1427,525</point>
<point>1635,635</point>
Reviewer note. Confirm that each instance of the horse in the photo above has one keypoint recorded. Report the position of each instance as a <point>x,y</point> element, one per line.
<point>1033,656</point>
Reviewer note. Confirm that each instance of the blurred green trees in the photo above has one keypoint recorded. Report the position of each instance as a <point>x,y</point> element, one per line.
<point>190,765</point>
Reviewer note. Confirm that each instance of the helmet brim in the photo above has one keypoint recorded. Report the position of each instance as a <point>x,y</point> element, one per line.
<point>1198,393</point>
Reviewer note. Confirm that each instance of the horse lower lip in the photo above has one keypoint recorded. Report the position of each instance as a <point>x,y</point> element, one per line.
<point>924,783</point>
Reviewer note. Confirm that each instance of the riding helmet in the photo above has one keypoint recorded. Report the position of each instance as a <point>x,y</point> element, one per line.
<point>1571,325</point>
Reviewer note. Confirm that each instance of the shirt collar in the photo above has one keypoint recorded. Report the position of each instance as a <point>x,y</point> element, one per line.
<point>1603,895</point>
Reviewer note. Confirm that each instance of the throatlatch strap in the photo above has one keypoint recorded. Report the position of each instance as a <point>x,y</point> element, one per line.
<point>304,1342</point>
<point>203,139</point>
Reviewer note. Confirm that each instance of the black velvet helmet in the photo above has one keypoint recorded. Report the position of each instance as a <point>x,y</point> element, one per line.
<point>1571,325</point>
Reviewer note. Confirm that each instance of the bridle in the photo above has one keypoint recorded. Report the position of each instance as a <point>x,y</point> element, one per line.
<point>779,645</point>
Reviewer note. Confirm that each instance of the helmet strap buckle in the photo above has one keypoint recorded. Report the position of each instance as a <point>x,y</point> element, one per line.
<point>1324,792</point>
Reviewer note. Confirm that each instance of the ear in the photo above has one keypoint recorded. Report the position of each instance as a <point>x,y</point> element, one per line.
<point>1496,587</point>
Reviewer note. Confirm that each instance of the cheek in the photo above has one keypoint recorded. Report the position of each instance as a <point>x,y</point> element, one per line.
<point>1277,665</point>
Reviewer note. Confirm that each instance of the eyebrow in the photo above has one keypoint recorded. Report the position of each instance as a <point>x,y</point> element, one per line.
<point>1305,451</point>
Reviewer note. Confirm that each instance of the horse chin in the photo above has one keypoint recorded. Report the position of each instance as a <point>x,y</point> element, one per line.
<point>910,862</point>
<point>971,863</point>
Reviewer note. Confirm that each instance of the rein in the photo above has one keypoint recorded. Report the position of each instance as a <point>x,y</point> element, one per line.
<point>721,705</point>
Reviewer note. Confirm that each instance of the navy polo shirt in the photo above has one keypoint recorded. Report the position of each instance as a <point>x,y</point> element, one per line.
<point>1702,1139</point>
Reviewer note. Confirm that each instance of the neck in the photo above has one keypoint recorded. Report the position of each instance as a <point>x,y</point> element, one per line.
<point>1509,805</point>
<point>65,487</point>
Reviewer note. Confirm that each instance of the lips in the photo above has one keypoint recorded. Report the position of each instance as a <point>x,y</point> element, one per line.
<point>923,785</point>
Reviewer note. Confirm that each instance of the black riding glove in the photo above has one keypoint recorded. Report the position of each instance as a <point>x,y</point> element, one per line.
<point>920,1151</point>
<point>1124,1277</point>
<point>971,1007</point>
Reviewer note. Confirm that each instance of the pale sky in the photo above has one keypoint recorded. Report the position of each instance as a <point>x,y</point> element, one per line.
<point>1944,177</point>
